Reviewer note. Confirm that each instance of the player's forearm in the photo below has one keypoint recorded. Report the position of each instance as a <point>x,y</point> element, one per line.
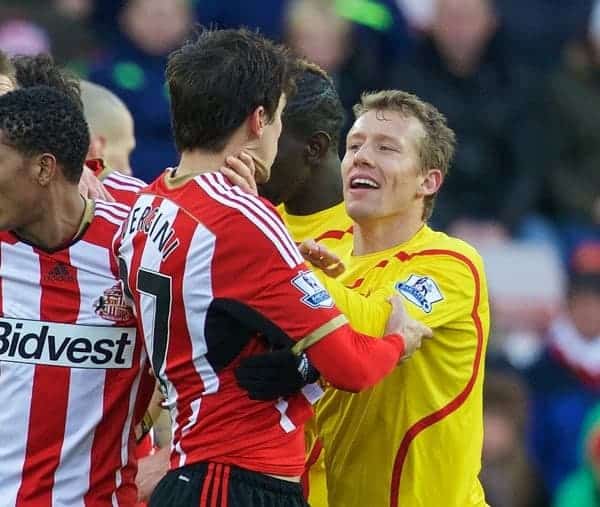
<point>368,315</point>
<point>352,361</point>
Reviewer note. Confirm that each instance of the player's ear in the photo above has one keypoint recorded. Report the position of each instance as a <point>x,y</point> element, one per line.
<point>97,147</point>
<point>44,169</point>
<point>257,121</point>
<point>431,182</point>
<point>317,147</point>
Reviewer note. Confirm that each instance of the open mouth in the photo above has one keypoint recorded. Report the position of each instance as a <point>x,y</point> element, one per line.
<point>363,183</point>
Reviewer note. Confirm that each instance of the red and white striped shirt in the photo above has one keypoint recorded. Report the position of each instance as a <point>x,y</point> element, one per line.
<point>70,369</point>
<point>215,277</point>
<point>122,187</point>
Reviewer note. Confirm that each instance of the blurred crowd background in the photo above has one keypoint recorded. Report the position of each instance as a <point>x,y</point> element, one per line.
<point>519,81</point>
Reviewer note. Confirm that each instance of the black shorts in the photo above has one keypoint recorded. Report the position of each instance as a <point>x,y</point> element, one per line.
<point>216,485</point>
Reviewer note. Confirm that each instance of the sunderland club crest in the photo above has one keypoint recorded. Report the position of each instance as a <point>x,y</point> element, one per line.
<point>112,306</point>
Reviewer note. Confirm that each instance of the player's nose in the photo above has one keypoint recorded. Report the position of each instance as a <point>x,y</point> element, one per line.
<point>363,156</point>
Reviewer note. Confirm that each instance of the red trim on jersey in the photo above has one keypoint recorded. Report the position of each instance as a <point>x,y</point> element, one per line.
<point>217,485</point>
<point>333,234</point>
<point>454,404</point>
<point>357,283</point>
<point>207,486</point>
<point>225,486</point>
<point>41,459</point>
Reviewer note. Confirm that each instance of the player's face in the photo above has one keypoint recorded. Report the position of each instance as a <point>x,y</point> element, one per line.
<point>20,196</point>
<point>289,171</point>
<point>6,84</point>
<point>268,144</point>
<point>381,169</point>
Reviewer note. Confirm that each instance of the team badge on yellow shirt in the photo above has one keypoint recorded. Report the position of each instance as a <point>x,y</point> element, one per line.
<point>421,291</point>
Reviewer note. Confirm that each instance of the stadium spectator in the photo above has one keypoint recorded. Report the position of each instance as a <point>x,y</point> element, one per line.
<point>507,475</point>
<point>538,30</point>
<point>572,147</point>
<point>29,27</point>
<point>582,487</point>
<point>565,380</point>
<point>351,41</point>
<point>462,69</point>
<point>134,70</point>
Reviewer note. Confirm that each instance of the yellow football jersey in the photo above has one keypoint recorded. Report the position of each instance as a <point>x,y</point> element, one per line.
<point>333,229</point>
<point>415,439</point>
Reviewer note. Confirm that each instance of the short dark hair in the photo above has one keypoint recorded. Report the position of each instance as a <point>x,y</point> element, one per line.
<point>6,66</point>
<point>218,79</point>
<point>40,120</point>
<point>315,105</point>
<point>41,70</point>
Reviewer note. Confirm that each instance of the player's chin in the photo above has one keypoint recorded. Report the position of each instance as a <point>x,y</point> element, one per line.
<point>358,209</point>
<point>270,194</point>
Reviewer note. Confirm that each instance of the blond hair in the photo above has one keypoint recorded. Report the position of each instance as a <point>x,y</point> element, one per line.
<point>436,147</point>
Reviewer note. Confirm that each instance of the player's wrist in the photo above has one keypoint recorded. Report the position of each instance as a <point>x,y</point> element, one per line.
<point>398,339</point>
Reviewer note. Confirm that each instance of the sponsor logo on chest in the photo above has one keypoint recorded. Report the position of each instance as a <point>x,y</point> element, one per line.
<point>68,345</point>
<point>421,291</point>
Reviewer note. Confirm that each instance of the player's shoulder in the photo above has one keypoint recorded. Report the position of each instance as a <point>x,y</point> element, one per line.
<point>439,263</point>
<point>448,251</point>
<point>112,213</point>
<point>242,217</point>
<point>234,203</point>
<point>120,181</point>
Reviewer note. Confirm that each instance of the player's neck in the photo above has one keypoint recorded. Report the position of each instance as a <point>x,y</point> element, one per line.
<point>199,161</point>
<point>59,219</point>
<point>371,236</point>
<point>321,192</point>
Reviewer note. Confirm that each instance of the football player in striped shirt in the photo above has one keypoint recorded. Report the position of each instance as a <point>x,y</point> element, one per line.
<point>215,277</point>
<point>71,363</point>
<point>112,136</point>
<point>41,70</point>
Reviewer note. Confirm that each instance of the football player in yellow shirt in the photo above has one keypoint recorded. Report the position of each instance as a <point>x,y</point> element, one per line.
<point>308,164</point>
<point>416,438</point>
<point>305,182</point>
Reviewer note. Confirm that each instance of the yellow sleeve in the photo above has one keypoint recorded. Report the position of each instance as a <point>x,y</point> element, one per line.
<point>367,315</point>
<point>457,280</point>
